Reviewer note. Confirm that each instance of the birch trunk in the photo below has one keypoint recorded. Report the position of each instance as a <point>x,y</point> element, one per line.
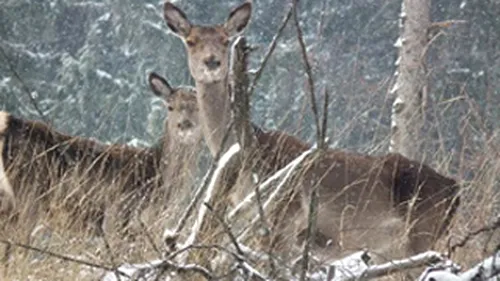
<point>411,78</point>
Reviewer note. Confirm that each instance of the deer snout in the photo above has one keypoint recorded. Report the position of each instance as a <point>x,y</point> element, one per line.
<point>212,62</point>
<point>184,125</point>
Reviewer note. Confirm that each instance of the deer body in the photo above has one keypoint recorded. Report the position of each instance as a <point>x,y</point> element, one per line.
<point>365,201</point>
<point>41,166</point>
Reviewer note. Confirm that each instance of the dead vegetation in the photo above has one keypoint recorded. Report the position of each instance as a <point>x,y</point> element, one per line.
<point>231,245</point>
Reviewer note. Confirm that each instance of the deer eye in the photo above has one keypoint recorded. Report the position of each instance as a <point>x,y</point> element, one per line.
<point>191,42</point>
<point>170,108</point>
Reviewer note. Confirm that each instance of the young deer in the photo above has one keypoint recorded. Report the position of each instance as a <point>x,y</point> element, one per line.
<point>40,166</point>
<point>365,201</point>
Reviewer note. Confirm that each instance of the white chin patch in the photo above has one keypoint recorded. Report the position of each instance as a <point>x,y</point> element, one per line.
<point>186,136</point>
<point>211,76</point>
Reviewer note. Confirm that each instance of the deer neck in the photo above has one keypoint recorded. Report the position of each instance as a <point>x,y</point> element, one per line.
<point>178,165</point>
<point>215,113</point>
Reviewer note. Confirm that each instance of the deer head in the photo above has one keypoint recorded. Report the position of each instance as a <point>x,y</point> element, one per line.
<point>182,119</point>
<point>207,46</point>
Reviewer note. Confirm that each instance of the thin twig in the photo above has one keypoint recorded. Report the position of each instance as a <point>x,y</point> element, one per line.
<point>112,257</point>
<point>240,257</point>
<point>324,126</point>
<point>311,222</point>
<point>165,265</point>
<point>260,209</point>
<point>147,270</point>
<point>270,51</point>
<point>470,235</point>
<point>311,231</point>
<point>148,235</point>
<point>227,229</point>
<point>24,87</point>
<point>309,74</point>
<point>60,256</point>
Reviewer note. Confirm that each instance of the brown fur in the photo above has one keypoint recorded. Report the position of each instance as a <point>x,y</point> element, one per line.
<point>39,157</point>
<point>377,188</point>
<point>365,201</point>
<point>47,169</point>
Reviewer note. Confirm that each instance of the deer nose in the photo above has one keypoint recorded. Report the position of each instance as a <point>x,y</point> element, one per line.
<point>184,125</point>
<point>212,63</point>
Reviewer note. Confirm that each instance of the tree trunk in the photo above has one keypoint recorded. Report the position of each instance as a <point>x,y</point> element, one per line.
<point>411,79</point>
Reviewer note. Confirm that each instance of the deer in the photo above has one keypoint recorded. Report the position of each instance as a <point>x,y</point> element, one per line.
<point>41,166</point>
<point>364,201</point>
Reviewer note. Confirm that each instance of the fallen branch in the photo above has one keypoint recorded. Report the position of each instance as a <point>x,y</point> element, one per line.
<point>355,267</point>
<point>487,269</point>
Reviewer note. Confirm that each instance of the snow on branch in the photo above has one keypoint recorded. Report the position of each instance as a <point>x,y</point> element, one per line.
<point>355,267</point>
<point>486,270</point>
<point>284,172</point>
<point>288,172</point>
<point>350,268</point>
<point>232,151</point>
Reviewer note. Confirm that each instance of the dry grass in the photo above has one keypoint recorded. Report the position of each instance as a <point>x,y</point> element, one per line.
<point>59,231</point>
<point>60,222</point>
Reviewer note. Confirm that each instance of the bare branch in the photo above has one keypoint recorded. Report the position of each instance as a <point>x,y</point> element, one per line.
<point>240,99</point>
<point>310,234</point>
<point>284,172</point>
<point>148,235</point>
<point>232,151</point>
<point>324,126</point>
<point>270,51</point>
<point>272,198</point>
<point>60,256</point>
<point>227,229</point>
<point>156,268</point>
<point>486,270</point>
<point>311,222</point>
<point>309,74</point>
<point>401,265</point>
<point>487,228</point>
<point>355,267</point>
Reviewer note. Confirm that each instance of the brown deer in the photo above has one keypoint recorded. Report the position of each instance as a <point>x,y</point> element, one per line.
<point>41,165</point>
<point>365,201</point>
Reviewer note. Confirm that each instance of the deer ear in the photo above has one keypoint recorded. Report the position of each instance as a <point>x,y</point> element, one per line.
<point>238,18</point>
<point>160,86</point>
<point>176,20</point>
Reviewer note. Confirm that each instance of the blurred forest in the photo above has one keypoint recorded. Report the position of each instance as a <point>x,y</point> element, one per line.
<point>83,64</point>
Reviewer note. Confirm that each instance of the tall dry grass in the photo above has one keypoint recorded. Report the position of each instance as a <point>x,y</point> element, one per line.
<point>56,229</point>
<point>64,222</point>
